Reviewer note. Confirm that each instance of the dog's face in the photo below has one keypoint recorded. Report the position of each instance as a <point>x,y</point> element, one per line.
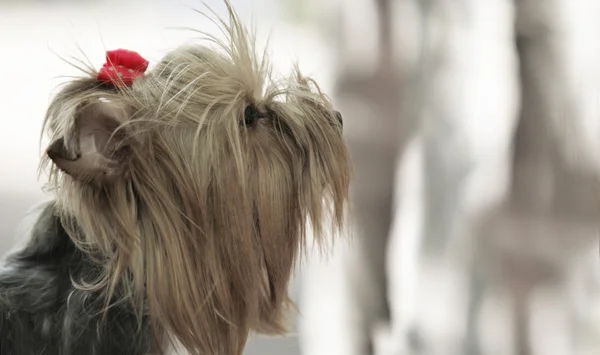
<point>194,186</point>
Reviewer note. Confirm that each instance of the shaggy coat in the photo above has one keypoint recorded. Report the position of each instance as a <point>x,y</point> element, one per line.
<point>181,206</point>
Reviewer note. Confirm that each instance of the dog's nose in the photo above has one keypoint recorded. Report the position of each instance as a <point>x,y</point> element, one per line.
<point>338,115</point>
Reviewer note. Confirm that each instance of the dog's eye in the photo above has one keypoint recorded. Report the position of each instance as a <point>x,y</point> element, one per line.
<point>250,116</point>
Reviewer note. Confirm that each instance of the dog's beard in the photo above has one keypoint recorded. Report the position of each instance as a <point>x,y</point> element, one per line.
<point>246,221</point>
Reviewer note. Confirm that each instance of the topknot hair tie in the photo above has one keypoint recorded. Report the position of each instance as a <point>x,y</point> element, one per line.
<point>122,67</point>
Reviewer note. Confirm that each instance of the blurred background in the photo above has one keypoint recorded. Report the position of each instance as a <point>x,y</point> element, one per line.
<point>474,127</point>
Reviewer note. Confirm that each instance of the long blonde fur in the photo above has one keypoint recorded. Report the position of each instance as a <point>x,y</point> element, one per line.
<point>203,232</point>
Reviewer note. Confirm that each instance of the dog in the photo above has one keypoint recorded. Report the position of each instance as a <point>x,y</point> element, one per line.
<point>181,198</point>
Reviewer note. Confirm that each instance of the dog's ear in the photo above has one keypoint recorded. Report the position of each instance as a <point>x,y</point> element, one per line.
<point>97,149</point>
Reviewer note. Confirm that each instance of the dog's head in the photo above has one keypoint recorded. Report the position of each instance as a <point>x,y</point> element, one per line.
<point>192,187</point>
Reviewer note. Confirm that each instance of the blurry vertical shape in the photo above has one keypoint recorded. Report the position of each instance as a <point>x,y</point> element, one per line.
<point>562,53</point>
<point>542,242</point>
<point>404,255</point>
<point>467,112</point>
<point>546,236</point>
<point>368,93</point>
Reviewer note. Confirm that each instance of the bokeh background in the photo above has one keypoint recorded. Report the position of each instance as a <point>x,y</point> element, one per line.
<point>472,95</point>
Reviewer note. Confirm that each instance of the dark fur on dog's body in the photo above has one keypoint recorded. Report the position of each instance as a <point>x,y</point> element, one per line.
<point>42,313</point>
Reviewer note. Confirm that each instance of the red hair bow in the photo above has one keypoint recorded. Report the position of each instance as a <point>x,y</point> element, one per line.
<point>122,67</point>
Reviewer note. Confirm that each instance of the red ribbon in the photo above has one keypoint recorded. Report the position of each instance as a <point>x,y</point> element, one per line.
<point>122,67</point>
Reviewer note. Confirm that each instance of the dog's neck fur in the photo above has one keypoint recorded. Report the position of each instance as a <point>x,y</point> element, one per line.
<point>41,312</point>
